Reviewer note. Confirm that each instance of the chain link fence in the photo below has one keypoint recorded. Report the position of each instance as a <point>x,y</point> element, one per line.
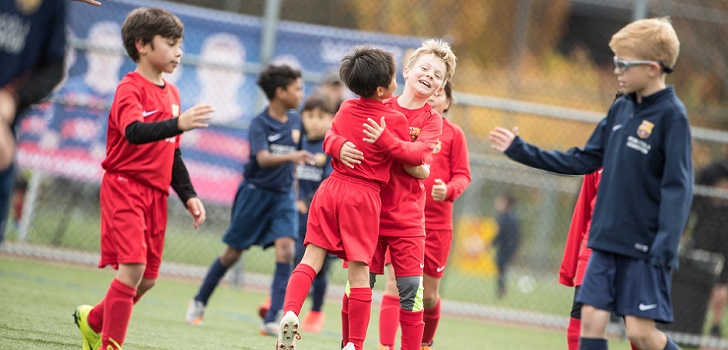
<point>542,66</point>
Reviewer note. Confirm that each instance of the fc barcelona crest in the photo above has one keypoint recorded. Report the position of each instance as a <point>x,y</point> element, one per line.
<point>438,147</point>
<point>175,110</point>
<point>645,129</point>
<point>27,7</point>
<point>414,133</point>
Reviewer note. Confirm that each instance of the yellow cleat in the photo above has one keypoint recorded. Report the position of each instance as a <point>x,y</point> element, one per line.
<point>91,339</point>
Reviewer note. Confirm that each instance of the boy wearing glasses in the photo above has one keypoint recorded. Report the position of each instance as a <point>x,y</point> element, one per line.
<point>644,196</point>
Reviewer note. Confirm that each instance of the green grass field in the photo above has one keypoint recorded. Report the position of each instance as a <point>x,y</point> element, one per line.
<point>39,297</point>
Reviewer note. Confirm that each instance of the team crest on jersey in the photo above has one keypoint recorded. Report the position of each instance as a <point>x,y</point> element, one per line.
<point>414,133</point>
<point>27,7</point>
<point>645,129</point>
<point>175,110</point>
<point>296,135</point>
<point>438,147</point>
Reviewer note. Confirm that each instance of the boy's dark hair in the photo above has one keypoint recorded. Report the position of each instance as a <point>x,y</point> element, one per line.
<point>144,23</point>
<point>274,77</point>
<point>365,69</point>
<point>321,102</point>
<point>448,93</point>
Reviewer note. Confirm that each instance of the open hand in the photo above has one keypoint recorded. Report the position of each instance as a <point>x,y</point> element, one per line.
<point>195,117</point>
<point>373,130</point>
<point>349,155</point>
<point>502,138</point>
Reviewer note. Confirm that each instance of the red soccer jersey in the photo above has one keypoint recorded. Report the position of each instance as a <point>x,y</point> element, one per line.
<point>576,254</point>
<point>348,125</point>
<point>451,164</point>
<point>138,99</point>
<point>403,199</point>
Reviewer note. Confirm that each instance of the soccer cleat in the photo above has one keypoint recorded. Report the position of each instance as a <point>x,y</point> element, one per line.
<point>264,307</point>
<point>349,346</point>
<point>270,328</point>
<point>288,332</point>
<point>313,322</point>
<point>385,347</point>
<point>195,312</point>
<point>91,339</point>
<point>426,346</point>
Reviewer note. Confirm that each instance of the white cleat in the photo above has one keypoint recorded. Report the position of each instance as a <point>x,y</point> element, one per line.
<point>288,333</point>
<point>349,346</point>
<point>195,312</point>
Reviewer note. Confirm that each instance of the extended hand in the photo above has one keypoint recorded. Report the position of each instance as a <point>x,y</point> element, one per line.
<point>195,117</point>
<point>197,210</point>
<point>349,155</point>
<point>502,138</point>
<point>373,130</point>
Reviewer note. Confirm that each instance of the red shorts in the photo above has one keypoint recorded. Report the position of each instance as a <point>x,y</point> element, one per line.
<point>344,218</point>
<point>437,250</point>
<point>133,220</point>
<point>407,255</point>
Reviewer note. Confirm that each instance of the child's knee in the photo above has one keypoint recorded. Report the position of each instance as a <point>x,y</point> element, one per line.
<point>410,292</point>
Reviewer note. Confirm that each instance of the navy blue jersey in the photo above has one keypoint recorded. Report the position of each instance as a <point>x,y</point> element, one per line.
<point>647,183</point>
<point>270,134</point>
<point>310,176</point>
<point>33,33</point>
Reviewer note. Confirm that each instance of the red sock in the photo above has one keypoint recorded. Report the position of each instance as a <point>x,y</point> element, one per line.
<point>298,286</point>
<point>388,320</point>
<point>412,328</point>
<point>117,313</point>
<point>360,308</point>
<point>345,319</point>
<point>137,297</point>
<point>573,332</point>
<point>96,316</point>
<point>432,319</point>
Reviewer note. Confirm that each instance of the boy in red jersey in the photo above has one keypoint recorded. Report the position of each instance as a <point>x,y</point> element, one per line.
<point>402,227</point>
<point>576,253</point>
<point>142,160</point>
<point>344,213</point>
<point>449,177</point>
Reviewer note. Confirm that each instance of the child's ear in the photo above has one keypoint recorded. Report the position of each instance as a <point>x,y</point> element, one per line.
<point>141,47</point>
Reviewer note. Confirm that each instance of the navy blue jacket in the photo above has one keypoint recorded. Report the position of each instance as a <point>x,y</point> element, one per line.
<point>647,184</point>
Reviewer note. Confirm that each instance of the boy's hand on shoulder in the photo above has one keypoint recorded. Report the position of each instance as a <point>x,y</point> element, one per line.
<point>195,117</point>
<point>502,138</point>
<point>349,155</point>
<point>439,190</point>
<point>303,157</point>
<point>372,130</point>
<point>197,210</point>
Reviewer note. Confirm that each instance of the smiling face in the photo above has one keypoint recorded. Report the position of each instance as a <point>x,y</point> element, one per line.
<point>425,76</point>
<point>161,54</point>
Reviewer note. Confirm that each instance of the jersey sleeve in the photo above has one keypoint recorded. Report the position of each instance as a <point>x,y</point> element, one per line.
<point>411,153</point>
<point>257,138</point>
<point>459,166</point>
<point>676,193</point>
<point>580,220</point>
<point>333,142</point>
<point>129,108</point>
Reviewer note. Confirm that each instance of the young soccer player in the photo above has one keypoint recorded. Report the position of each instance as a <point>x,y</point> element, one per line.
<point>644,197</point>
<point>449,177</point>
<point>506,240</point>
<point>317,115</point>
<point>142,160</point>
<point>264,211</point>
<point>344,213</point>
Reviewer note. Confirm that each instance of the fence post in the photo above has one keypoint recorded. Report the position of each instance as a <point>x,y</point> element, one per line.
<point>31,198</point>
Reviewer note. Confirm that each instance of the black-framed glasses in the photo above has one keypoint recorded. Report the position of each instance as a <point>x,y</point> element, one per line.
<point>624,65</point>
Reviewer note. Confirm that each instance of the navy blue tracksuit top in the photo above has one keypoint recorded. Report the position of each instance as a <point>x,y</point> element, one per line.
<point>646,189</point>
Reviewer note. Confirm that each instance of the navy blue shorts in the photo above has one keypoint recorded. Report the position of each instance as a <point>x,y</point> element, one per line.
<point>260,216</point>
<point>627,287</point>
